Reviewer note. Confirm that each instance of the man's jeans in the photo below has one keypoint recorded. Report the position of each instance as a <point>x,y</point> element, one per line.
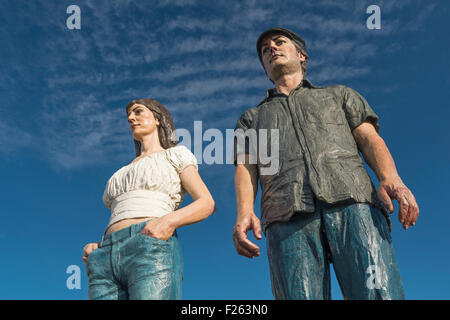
<point>354,238</point>
<point>130,265</point>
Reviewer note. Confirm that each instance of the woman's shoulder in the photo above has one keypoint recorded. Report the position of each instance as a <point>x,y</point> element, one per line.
<point>179,150</point>
<point>181,157</point>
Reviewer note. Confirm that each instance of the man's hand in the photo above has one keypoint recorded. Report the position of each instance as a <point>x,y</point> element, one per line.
<point>391,189</point>
<point>160,228</point>
<point>245,247</point>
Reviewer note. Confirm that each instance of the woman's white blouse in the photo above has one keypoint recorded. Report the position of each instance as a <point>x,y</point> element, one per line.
<point>148,187</point>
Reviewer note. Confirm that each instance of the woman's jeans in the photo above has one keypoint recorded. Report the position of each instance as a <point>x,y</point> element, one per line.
<point>130,265</point>
<point>354,238</point>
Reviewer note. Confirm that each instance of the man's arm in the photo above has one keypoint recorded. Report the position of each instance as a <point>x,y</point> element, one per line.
<point>246,187</point>
<point>391,187</point>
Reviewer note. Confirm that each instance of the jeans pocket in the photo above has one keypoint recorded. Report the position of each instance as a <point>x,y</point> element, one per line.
<point>89,257</point>
<point>89,261</point>
<point>153,239</point>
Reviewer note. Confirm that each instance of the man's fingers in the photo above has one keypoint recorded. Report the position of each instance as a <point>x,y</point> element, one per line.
<point>403,208</point>
<point>385,199</point>
<point>413,209</point>
<point>247,244</point>
<point>243,245</point>
<point>410,216</point>
<point>244,251</point>
<point>408,210</point>
<point>257,229</point>
<point>257,234</point>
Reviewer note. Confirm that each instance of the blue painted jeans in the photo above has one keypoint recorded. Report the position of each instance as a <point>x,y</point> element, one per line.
<point>354,238</point>
<point>130,265</point>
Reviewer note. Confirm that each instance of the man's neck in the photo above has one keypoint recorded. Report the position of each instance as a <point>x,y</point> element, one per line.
<point>288,82</point>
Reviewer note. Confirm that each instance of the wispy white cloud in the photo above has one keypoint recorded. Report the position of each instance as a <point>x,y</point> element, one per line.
<point>209,87</point>
<point>229,65</point>
<point>176,3</point>
<point>83,131</point>
<point>195,44</point>
<point>194,24</point>
<point>199,65</point>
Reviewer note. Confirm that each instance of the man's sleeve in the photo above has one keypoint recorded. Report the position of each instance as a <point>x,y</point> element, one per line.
<point>241,138</point>
<point>357,110</point>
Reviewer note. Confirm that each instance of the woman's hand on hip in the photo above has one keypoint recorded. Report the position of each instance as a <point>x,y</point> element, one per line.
<point>87,250</point>
<point>160,228</point>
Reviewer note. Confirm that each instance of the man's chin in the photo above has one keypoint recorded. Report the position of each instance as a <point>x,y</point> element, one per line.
<point>280,69</point>
<point>277,66</point>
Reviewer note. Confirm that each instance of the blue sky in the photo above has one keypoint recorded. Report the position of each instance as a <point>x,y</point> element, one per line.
<point>64,131</point>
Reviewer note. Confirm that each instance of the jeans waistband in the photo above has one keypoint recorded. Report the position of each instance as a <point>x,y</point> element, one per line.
<point>125,233</point>
<point>122,234</point>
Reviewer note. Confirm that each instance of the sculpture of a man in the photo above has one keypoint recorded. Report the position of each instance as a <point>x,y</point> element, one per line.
<point>320,207</point>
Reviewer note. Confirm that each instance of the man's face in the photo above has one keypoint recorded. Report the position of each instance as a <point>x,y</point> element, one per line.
<point>280,56</point>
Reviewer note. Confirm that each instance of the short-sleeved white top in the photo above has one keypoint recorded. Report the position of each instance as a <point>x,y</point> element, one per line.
<point>148,187</point>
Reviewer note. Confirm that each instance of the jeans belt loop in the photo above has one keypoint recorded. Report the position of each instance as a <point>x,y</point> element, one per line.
<point>101,241</point>
<point>133,229</point>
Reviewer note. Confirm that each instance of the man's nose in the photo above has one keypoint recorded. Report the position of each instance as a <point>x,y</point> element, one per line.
<point>273,47</point>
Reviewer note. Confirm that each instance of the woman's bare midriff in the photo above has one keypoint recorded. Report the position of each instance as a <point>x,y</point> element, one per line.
<point>125,223</point>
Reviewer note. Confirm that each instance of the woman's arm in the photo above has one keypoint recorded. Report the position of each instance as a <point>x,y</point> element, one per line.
<point>202,207</point>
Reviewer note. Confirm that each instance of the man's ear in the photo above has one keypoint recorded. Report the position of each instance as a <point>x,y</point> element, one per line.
<point>301,56</point>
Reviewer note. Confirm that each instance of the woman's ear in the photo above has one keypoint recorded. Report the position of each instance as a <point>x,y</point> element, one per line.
<point>157,121</point>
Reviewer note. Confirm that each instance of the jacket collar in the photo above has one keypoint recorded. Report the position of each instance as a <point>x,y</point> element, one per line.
<point>304,83</point>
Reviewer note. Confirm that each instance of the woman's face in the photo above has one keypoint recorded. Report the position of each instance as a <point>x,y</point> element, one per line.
<point>142,121</point>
